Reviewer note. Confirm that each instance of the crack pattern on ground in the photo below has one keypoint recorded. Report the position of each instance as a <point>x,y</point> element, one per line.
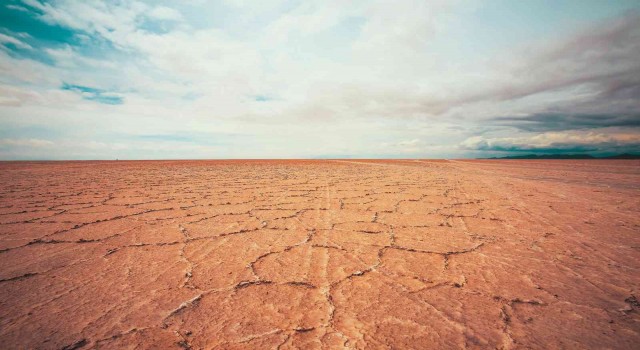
<point>316,254</point>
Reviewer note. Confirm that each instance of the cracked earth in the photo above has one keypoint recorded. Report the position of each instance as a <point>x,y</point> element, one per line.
<point>320,254</point>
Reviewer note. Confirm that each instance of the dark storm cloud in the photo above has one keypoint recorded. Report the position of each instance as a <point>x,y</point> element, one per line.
<point>551,149</point>
<point>602,60</point>
<point>604,56</point>
<point>562,122</point>
<point>562,147</point>
<point>558,142</point>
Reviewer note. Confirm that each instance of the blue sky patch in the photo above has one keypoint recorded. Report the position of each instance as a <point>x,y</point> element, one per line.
<point>26,21</point>
<point>94,94</point>
<point>262,98</point>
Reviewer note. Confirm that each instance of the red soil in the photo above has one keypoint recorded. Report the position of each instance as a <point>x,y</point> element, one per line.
<point>320,254</point>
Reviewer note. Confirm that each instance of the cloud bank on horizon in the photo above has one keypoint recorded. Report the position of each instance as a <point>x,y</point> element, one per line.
<point>311,79</point>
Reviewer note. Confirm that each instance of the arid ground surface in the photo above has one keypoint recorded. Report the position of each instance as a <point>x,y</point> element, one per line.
<point>320,254</point>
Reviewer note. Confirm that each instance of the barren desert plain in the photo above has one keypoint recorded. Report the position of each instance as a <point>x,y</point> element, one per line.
<point>320,254</point>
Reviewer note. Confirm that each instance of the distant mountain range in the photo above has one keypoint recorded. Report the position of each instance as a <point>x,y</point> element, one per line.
<point>570,156</point>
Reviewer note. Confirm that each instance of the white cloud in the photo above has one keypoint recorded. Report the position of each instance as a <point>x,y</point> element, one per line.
<point>165,13</point>
<point>364,73</point>
<point>67,57</point>
<point>11,96</point>
<point>38,143</point>
<point>5,39</point>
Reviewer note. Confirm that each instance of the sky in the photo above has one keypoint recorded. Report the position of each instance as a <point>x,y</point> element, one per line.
<point>223,79</point>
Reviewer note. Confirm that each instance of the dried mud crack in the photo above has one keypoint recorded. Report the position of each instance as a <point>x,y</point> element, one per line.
<point>358,254</point>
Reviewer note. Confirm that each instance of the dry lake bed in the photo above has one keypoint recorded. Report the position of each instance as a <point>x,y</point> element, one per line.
<point>327,254</point>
